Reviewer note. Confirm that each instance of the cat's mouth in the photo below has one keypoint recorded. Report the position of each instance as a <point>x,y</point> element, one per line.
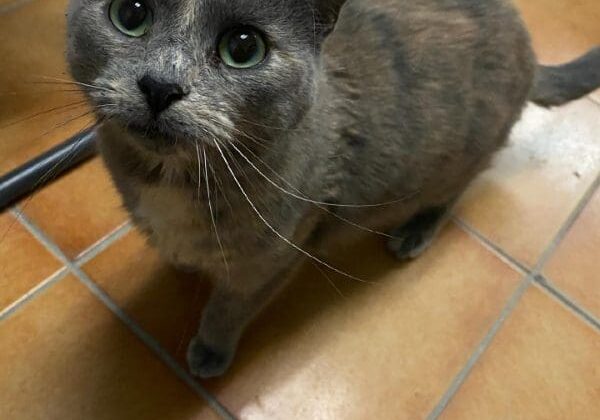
<point>153,136</point>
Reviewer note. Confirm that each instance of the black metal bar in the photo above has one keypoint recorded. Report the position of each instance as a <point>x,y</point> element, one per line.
<point>46,167</point>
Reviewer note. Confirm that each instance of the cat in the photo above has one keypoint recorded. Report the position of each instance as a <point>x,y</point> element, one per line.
<point>246,136</point>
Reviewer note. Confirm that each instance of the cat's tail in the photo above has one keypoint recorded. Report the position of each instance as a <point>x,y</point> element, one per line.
<point>557,85</point>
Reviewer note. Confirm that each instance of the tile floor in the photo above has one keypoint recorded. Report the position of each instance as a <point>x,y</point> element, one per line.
<point>499,320</point>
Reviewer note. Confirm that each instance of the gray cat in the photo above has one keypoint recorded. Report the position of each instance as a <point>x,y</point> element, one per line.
<point>248,135</point>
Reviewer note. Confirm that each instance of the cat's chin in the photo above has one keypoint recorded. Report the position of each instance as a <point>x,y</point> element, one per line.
<point>151,137</point>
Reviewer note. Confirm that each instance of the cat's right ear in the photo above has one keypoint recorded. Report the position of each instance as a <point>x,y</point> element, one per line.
<point>326,15</point>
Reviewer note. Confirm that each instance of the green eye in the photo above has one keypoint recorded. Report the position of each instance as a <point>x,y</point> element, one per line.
<point>242,48</point>
<point>132,17</point>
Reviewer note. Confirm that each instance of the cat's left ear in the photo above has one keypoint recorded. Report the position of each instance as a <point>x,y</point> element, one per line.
<point>327,14</point>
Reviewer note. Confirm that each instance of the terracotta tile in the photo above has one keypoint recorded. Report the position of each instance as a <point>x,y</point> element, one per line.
<point>535,183</point>
<point>78,209</point>
<point>165,302</point>
<point>385,351</point>
<point>561,29</point>
<point>32,45</point>
<point>543,364</point>
<point>24,262</point>
<point>408,335</point>
<point>10,5</point>
<point>574,268</point>
<point>65,356</point>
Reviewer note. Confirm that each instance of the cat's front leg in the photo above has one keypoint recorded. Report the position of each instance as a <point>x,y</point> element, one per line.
<point>224,319</point>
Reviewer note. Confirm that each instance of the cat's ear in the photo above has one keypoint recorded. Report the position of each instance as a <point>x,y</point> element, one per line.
<point>327,12</point>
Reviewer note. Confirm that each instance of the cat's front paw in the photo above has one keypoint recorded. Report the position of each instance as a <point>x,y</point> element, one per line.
<point>409,245</point>
<point>206,361</point>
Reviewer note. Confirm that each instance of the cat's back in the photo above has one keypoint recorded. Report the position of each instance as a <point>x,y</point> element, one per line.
<point>428,34</point>
<point>433,83</point>
<point>491,17</point>
<point>431,61</point>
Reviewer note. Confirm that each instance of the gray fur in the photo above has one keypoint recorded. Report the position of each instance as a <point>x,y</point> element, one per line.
<point>403,99</point>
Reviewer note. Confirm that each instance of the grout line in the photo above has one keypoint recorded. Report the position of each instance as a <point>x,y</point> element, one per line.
<point>547,285</point>
<point>460,378</point>
<point>567,225</point>
<point>41,237</point>
<point>150,342</point>
<point>492,247</point>
<point>102,244</point>
<point>137,330</point>
<point>32,293</point>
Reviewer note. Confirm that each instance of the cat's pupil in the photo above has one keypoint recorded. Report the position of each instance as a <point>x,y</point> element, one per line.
<point>132,14</point>
<point>243,46</point>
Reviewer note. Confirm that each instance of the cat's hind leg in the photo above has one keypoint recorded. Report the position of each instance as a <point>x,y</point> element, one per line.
<point>414,237</point>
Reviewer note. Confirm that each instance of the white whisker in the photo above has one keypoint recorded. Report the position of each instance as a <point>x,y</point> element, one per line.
<point>210,206</point>
<point>304,198</point>
<point>72,82</point>
<point>323,203</point>
<point>329,280</point>
<point>275,231</point>
<point>220,187</point>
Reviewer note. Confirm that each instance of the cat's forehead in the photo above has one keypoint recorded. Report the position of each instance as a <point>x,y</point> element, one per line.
<point>199,10</point>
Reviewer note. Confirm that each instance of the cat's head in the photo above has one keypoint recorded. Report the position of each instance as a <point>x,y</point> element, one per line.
<point>174,72</point>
